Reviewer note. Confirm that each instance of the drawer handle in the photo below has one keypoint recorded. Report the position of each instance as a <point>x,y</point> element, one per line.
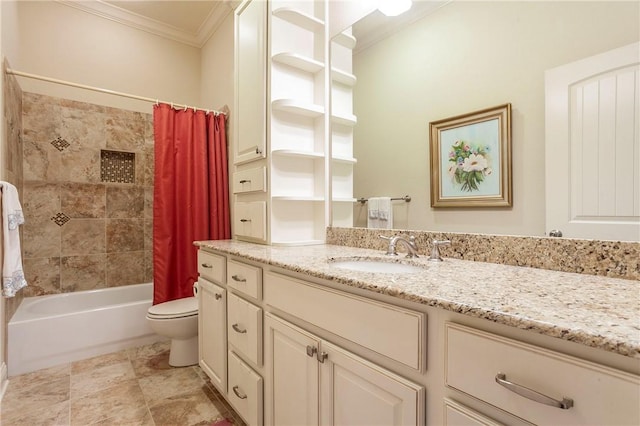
<point>218,296</point>
<point>238,329</point>
<point>238,278</point>
<point>245,220</point>
<point>238,394</point>
<point>245,181</point>
<point>525,392</point>
<point>206,265</point>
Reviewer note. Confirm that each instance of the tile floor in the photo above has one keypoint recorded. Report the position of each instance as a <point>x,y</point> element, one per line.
<point>131,387</point>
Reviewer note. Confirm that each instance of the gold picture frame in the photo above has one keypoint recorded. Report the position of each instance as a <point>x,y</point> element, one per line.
<point>471,159</point>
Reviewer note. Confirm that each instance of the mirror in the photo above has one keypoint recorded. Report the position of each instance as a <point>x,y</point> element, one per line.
<point>451,58</point>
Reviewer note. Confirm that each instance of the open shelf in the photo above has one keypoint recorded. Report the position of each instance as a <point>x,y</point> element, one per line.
<point>346,160</point>
<point>343,77</point>
<point>296,107</point>
<point>300,19</point>
<point>294,153</point>
<point>350,120</point>
<point>298,61</point>
<point>296,198</point>
<point>346,40</point>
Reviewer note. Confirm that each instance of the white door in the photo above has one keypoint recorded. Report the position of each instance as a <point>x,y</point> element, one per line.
<point>291,394</point>
<point>212,335</point>
<point>592,148</point>
<point>357,392</point>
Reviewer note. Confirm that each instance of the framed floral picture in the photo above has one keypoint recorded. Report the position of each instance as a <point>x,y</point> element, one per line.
<point>471,159</point>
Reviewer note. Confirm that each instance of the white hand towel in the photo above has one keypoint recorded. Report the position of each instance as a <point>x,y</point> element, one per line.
<point>12,273</point>
<point>372,212</point>
<point>385,213</point>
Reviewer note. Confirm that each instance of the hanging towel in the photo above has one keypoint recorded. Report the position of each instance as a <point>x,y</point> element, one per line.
<point>372,212</point>
<point>385,213</point>
<point>12,274</point>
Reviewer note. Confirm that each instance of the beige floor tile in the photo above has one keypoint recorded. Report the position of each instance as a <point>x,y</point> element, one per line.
<point>34,395</point>
<point>101,378</point>
<point>99,361</point>
<point>52,415</point>
<point>120,404</point>
<point>193,408</point>
<point>149,350</point>
<point>141,418</point>
<point>169,383</point>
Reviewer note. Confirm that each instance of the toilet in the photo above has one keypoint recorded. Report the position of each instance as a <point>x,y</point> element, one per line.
<point>177,320</point>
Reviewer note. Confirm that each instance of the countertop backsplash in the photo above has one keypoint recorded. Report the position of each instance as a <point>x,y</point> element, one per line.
<point>615,259</point>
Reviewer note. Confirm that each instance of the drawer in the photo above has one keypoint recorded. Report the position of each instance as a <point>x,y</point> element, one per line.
<point>245,278</point>
<point>211,266</point>
<point>397,333</point>
<point>600,395</point>
<point>456,414</point>
<point>245,390</point>
<point>249,180</point>
<point>249,219</point>
<point>244,327</point>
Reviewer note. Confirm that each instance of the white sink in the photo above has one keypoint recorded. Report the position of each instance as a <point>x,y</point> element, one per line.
<point>372,265</point>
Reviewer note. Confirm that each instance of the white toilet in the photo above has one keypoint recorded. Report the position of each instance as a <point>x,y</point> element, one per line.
<point>177,320</point>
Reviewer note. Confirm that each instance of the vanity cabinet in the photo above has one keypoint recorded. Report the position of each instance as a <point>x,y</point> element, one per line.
<point>312,381</point>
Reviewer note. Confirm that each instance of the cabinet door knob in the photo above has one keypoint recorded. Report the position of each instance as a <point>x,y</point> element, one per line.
<point>238,393</point>
<point>311,350</point>
<point>322,356</point>
<point>218,296</point>
<point>239,279</point>
<point>237,329</point>
<point>525,392</point>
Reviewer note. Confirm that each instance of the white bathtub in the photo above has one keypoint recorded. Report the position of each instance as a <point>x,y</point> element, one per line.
<point>52,330</point>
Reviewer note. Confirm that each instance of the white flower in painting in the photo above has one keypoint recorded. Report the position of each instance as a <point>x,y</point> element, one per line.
<point>474,162</point>
<point>452,168</point>
<point>488,171</point>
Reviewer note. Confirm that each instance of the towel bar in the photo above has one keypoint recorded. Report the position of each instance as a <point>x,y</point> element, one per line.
<point>406,198</point>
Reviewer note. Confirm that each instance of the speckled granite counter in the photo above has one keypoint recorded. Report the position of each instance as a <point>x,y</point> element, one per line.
<point>595,311</point>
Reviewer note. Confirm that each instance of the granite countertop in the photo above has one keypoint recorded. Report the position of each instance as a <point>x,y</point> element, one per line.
<point>595,311</point>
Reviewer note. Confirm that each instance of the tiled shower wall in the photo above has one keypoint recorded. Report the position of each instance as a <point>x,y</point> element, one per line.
<point>12,167</point>
<point>82,233</point>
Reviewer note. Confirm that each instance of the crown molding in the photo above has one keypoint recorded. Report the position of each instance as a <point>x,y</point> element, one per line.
<point>104,10</point>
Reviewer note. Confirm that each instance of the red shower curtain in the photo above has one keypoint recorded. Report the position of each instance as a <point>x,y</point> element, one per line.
<point>190,195</point>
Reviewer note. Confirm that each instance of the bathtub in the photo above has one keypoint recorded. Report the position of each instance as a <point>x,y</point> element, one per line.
<point>56,329</point>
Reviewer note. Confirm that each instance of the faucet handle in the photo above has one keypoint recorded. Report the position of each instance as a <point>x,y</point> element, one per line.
<point>435,251</point>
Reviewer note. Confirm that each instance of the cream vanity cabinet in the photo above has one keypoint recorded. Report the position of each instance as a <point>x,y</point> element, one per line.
<point>313,381</point>
<point>212,318</point>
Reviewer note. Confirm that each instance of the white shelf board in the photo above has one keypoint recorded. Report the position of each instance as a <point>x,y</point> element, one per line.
<point>348,160</point>
<point>344,200</point>
<point>294,153</point>
<point>343,77</point>
<point>349,120</point>
<point>296,198</point>
<point>296,107</point>
<point>300,19</point>
<point>346,40</point>
<point>298,61</point>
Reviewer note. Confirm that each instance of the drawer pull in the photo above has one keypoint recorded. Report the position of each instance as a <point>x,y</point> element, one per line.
<point>245,220</point>
<point>565,404</point>
<point>238,329</point>
<point>218,296</point>
<point>239,279</point>
<point>245,181</point>
<point>321,356</point>
<point>206,265</point>
<point>311,350</point>
<point>238,394</point>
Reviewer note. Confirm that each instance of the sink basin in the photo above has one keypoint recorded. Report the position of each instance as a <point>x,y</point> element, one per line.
<point>379,266</point>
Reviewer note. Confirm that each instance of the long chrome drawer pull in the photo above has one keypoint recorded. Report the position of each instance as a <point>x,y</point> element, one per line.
<point>238,394</point>
<point>239,278</point>
<point>565,404</point>
<point>206,265</point>
<point>238,329</point>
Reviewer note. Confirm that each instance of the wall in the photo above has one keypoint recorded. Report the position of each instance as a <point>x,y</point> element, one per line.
<point>81,231</point>
<point>464,57</point>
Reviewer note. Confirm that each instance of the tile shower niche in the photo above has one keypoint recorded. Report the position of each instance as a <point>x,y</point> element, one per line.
<point>117,167</point>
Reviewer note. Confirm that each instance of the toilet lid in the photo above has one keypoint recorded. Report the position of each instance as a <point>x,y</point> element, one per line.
<point>175,308</point>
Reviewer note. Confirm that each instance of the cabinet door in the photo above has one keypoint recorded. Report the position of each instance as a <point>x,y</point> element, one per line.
<point>250,86</point>
<point>212,334</point>
<point>357,392</point>
<point>291,394</point>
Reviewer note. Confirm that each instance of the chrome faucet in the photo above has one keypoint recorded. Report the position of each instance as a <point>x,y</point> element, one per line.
<point>435,250</point>
<point>410,244</point>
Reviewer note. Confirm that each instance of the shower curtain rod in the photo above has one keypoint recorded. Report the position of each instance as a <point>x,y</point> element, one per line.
<point>110,92</point>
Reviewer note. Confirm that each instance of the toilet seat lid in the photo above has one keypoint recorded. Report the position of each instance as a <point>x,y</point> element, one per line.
<point>175,308</point>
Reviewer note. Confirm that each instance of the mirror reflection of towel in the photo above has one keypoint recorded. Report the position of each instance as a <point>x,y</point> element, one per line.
<point>379,213</point>
<point>12,273</point>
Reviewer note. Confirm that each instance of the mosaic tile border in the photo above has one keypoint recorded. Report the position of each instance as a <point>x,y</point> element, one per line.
<point>117,166</point>
<point>613,259</point>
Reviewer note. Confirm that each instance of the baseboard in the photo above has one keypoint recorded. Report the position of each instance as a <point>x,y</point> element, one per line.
<point>4,380</point>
